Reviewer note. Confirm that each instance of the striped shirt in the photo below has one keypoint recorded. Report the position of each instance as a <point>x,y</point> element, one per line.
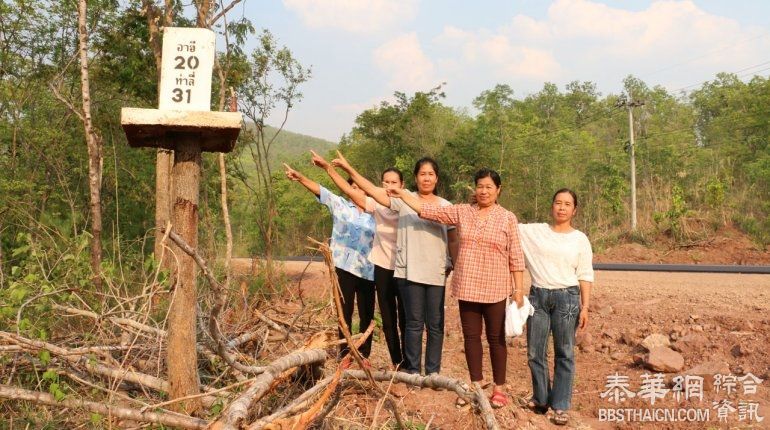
<point>490,250</point>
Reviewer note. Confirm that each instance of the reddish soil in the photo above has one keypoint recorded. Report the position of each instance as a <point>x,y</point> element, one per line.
<point>728,246</point>
<point>725,318</point>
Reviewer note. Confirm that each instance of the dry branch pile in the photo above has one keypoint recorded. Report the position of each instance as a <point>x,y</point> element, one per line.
<point>262,365</point>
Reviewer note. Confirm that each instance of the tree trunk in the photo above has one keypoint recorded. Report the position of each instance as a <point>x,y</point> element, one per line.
<point>164,159</point>
<point>181,355</point>
<point>94,151</point>
<point>226,218</point>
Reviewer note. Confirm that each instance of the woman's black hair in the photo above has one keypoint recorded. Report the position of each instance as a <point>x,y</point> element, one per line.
<point>425,160</point>
<point>565,190</point>
<point>487,173</point>
<point>394,170</point>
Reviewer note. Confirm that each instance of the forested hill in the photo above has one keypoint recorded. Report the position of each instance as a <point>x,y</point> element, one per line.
<point>289,146</point>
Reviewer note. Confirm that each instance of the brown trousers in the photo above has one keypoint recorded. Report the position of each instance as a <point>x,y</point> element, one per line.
<point>493,316</point>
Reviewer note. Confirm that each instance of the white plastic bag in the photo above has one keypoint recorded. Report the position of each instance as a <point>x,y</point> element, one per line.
<point>516,317</point>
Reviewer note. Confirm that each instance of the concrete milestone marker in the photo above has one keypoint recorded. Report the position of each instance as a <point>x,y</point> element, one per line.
<point>184,100</point>
<point>185,73</point>
<point>184,124</point>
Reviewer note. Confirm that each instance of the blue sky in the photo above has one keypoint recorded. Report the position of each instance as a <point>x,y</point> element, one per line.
<point>361,51</point>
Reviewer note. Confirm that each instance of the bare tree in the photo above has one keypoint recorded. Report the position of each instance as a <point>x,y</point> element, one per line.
<point>273,85</point>
<point>164,158</point>
<point>95,144</point>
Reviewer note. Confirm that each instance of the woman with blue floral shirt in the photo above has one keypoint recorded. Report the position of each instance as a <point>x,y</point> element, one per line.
<point>351,241</point>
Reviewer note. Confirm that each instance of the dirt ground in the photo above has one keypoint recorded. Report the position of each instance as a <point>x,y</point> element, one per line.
<point>718,320</point>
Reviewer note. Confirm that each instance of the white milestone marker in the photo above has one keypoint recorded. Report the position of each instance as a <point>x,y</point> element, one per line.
<point>188,61</point>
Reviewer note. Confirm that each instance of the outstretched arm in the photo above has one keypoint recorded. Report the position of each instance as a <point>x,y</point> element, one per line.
<point>295,176</point>
<point>358,196</point>
<point>408,198</point>
<point>379,194</point>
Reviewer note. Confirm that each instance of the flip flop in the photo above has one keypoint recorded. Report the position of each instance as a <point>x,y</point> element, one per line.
<point>498,400</point>
<point>560,418</point>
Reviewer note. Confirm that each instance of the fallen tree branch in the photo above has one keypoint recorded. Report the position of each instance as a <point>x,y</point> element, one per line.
<point>326,251</point>
<point>272,324</point>
<point>435,382</point>
<point>238,409</point>
<point>240,340</point>
<point>320,408</point>
<point>143,379</point>
<point>195,396</point>
<point>484,408</point>
<point>298,404</point>
<point>115,320</point>
<point>165,418</point>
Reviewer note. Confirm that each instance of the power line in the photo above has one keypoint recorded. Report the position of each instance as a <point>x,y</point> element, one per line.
<point>708,53</point>
<point>734,73</point>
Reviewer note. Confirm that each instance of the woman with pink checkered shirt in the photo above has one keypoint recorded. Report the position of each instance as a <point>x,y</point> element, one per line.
<point>489,269</point>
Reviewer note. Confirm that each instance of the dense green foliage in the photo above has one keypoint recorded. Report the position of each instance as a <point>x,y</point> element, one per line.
<point>702,157</point>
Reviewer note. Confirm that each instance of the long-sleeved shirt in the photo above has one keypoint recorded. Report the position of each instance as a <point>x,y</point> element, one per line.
<point>352,235</point>
<point>490,250</point>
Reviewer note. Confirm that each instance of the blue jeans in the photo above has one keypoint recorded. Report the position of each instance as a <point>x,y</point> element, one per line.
<point>556,311</point>
<point>424,308</point>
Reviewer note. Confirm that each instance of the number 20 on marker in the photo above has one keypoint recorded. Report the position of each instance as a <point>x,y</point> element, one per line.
<point>182,63</point>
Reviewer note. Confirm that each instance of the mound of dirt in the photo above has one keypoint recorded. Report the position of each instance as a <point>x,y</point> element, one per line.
<point>726,246</point>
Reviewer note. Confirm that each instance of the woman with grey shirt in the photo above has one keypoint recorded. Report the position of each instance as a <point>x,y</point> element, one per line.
<point>422,263</point>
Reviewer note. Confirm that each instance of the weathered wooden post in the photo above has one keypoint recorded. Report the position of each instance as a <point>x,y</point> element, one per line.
<point>184,124</point>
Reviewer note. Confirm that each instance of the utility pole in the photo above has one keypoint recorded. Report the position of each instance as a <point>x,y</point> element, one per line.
<point>631,105</point>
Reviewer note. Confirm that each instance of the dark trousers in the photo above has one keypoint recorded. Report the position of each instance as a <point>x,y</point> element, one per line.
<point>360,290</point>
<point>424,308</point>
<point>493,316</point>
<point>391,311</point>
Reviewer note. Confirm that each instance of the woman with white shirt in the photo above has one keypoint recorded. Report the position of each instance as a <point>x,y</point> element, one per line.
<point>559,260</point>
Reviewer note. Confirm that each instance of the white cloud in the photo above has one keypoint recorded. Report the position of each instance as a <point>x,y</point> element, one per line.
<point>407,66</point>
<point>355,16</point>
<point>670,42</point>
<point>674,35</point>
<point>498,55</point>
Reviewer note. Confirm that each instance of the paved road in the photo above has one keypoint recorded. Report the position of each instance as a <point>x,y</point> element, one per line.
<point>632,267</point>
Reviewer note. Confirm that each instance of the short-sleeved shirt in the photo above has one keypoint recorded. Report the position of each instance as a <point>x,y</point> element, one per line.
<point>421,246</point>
<point>386,221</point>
<point>352,235</point>
<point>490,249</point>
<point>556,260</point>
